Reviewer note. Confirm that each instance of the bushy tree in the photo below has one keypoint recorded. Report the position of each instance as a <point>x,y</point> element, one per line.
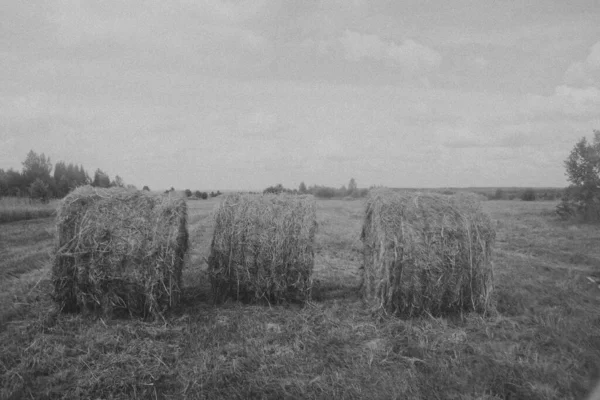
<point>3,183</point>
<point>188,193</point>
<point>302,188</point>
<point>146,188</point>
<point>582,197</point>
<point>68,177</point>
<point>118,182</point>
<point>352,187</point>
<point>499,195</point>
<point>101,179</point>
<point>15,183</point>
<point>39,190</point>
<point>528,195</point>
<point>201,195</point>
<point>36,166</point>
<point>277,189</point>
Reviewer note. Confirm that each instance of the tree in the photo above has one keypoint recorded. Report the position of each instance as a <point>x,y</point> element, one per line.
<point>582,197</point>
<point>146,188</point>
<point>277,189</point>
<point>101,179</point>
<point>188,193</point>
<point>499,195</point>
<point>528,195</point>
<point>118,182</point>
<point>352,188</point>
<point>3,183</point>
<point>39,190</point>
<point>302,188</point>
<point>36,166</point>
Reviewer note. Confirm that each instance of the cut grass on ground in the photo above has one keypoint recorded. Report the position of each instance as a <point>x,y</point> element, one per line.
<point>544,342</point>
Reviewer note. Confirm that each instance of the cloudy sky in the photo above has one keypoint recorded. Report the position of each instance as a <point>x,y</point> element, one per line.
<point>212,94</point>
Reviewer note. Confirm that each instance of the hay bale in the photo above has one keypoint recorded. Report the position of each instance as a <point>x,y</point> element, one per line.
<point>119,249</point>
<point>263,248</point>
<point>426,253</point>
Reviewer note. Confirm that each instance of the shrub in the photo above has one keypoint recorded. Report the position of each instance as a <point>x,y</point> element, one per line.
<point>528,195</point>
<point>40,190</point>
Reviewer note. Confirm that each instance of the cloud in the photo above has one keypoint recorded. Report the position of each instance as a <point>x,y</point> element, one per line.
<point>481,62</point>
<point>409,55</point>
<point>209,35</point>
<point>586,72</point>
<point>459,137</point>
<point>261,124</point>
<point>566,100</point>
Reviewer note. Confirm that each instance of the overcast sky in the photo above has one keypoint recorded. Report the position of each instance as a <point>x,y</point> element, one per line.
<point>246,94</point>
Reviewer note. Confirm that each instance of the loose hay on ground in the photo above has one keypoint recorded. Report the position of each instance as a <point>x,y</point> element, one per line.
<point>119,249</point>
<point>263,248</point>
<point>426,253</point>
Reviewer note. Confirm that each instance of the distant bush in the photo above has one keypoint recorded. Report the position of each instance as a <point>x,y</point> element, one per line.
<point>201,195</point>
<point>39,190</point>
<point>528,195</point>
<point>146,188</point>
<point>188,193</point>
<point>325,192</point>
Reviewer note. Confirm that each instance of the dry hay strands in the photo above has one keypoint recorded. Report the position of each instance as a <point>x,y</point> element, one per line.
<point>119,250</point>
<point>263,248</point>
<point>426,253</point>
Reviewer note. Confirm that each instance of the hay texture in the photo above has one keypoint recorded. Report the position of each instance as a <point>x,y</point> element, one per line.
<point>263,248</point>
<point>426,253</point>
<point>119,249</point>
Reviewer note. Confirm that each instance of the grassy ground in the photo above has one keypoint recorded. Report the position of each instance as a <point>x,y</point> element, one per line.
<point>544,342</point>
<point>17,209</point>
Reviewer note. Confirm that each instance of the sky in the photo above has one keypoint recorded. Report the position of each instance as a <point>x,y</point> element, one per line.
<point>225,95</point>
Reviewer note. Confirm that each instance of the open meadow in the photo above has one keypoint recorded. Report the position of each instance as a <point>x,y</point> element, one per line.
<point>542,343</point>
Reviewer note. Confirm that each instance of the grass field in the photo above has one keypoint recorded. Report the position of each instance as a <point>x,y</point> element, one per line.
<point>17,209</point>
<point>543,343</point>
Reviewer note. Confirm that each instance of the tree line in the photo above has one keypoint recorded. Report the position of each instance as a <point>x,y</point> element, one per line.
<point>38,179</point>
<point>324,192</point>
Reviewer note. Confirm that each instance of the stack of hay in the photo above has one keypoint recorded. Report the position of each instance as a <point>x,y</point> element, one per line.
<point>426,253</point>
<point>119,249</point>
<point>263,248</point>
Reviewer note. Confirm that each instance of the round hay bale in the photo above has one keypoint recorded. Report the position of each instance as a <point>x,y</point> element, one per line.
<point>426,253</point>
<point>119,249</point>
<point>263,248</point>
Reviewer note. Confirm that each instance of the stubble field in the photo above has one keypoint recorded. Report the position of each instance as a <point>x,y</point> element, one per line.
<point>543,343</point>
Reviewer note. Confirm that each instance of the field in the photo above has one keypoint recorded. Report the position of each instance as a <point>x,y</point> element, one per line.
<point>543,343</point>
<point>18,209</point>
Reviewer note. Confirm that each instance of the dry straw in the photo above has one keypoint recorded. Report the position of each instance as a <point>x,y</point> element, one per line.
<point>263,248</point>
<point>426,253</point>
<point>119,250</point>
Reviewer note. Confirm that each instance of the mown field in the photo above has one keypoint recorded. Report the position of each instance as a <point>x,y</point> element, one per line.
<point>543,343</point>
<point>18,209</point>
